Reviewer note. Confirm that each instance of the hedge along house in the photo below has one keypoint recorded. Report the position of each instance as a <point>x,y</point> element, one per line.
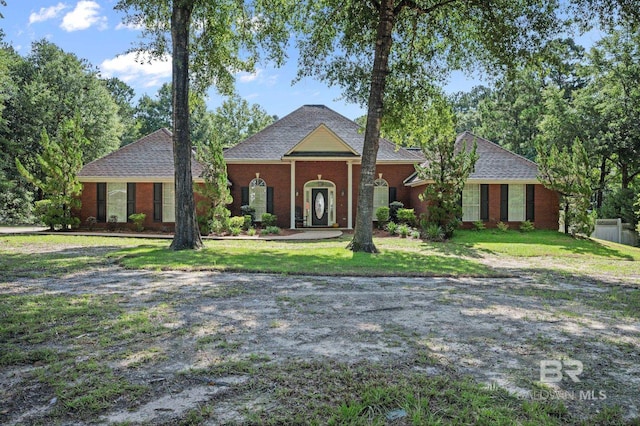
<point>305,169</point>
<point>503,188</point>
<point>137,178</point>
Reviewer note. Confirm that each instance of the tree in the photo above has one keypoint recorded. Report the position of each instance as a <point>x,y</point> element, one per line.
<point>123,95</point>
<point>446,166</point>
<point>215,190</point>
<point>208,43</point>
<point>60,161</point>
<point>154,113</point>
<point>566,171</point>
<point>382,52</point>
<point>236,120</point>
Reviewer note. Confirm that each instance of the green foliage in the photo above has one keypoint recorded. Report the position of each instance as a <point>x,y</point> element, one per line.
<point>619,204</point>
<point>237,222</point>
<point>567,172</point>
<point>138,221</point>
<point>219,225</point>
<point>247,210</point>
<point>394,206</point>
<point>235,230</point>
<point>215,190</point>
<point>248,222</point>
<point>251,232</point>
<point>382,214</point>
<point>392,227</point>
<point>527,226</point>
<point>269,219</point>
<point>403,230</point>
<point>235,120</point>
<point>447,167</point>
<point>478,225</point>
<point>272,230</point>
<point>433,232</point>
<point>502,227</point>
<point>415,234</point>
<point>637,204</point>
<point>407,216</point>
<point>60,162</point>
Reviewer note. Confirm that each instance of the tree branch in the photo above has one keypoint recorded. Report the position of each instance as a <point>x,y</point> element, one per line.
<point>411,4</point>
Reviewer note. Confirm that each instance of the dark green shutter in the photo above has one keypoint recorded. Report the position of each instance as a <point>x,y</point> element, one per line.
<point>270,199</point>
<point>244,196</point>
<point>131,199</point>
<point>531,196</point>
<point>504,202</point>
<point>484,202</point>
<point>157,202</point>
<point>392,194</point>
<point>101,196</point>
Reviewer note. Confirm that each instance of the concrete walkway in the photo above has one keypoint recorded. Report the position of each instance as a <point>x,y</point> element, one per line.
<point>307,234</point>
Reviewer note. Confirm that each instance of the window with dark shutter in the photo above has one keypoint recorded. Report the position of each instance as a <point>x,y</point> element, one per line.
<point>244,196</point>
<point>157,202</point>
<point>270,200</point>
<point>504,202</point>
<point>393,194</point>
<point>101,196</point>
<point>531,196</point>
<point>484,202</point>
<point>131,199</point>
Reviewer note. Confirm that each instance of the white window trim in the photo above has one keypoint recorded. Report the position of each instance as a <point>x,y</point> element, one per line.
<point>471,202</point>
<point>117,201</point>
<point>258,197</point>
<point>380,195</point>
<point>168,203</point>
<point>517,203</point>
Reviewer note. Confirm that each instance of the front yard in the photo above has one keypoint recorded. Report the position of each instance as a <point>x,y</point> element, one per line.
<point>421,333</point>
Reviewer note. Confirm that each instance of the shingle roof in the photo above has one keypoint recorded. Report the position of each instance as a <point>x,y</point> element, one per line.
<point>148,157</point>
<point>494,162</point>
<point>273,142</point>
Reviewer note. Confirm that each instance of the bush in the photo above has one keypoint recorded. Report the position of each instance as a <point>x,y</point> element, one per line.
<point>112,222</point>
<point>91,222</point>
<point>251,232</point>
<point>415,234</point>
<point>393,210</point>
<point>247,210</point>
<point>392,227</point>
<point>272,230</point>
<point>138,220</point>
<point>269,219</point>
<point>403,230</point>
<point>478,225</point>
<point>527,226</point>
<point>248,222</point>
<point>434,232</point>
<point>382,214</point>
<point>203,225</point>
<point>407,216</point>
<point>236,222</point>
<point>48,213</point>
<point>502,227</point>
<point>619,204</point>
<point>235,230</point>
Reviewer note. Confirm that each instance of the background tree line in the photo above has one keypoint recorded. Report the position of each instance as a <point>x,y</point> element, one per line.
<point>43,92</point>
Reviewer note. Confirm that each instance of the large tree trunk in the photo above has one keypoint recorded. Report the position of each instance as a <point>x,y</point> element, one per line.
<point>363,235</point>
<point>187,234</point>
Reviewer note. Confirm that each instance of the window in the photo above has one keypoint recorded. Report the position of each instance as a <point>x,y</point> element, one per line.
<point>117,201</point>
<point>168,202</point>
<point>131,199</point>
<point>258,197</point>
<point>516,203</point>
<point>471,203</point>
<point>531,196</point>
<point>380,194</point>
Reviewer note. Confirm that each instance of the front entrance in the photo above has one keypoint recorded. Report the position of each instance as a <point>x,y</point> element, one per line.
<point>320,209</point>
<point>319,203</point>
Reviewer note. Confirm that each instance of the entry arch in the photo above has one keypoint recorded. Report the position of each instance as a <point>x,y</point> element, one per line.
<point>319,203</point>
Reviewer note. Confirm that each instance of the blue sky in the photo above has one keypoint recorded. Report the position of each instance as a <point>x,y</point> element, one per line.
<point>92,30</point>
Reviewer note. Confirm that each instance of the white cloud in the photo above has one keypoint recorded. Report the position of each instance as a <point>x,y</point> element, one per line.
<point>46,13</point>
<point>136,69</point>
<point>131,27</point>
<point>85,15</point>
<point>245,77</point>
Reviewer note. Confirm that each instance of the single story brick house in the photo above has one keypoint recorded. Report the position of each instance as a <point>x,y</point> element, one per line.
<point>305,169</point>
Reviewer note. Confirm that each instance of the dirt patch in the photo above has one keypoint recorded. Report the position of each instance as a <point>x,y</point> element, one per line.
<point>496,330</point>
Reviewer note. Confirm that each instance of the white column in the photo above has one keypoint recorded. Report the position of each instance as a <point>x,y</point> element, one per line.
<point>293,195</point>
<point>349,195</point>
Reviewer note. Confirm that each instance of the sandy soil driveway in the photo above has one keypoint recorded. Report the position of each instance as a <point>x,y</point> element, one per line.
<point>496,330</point>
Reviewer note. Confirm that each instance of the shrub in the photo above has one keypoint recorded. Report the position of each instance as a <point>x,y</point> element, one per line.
<point>415,234</point>
<point>48,213</point>
<point>502,227</point>
<point>138,220</point>
<point>219,226</point>
<point>272,230</point>
<point>407,216</point>
<point>619,204</point>
<point>236,222</point>
<point>112,222</point>
<point>269,219</point>
<point>382,214</point>
<point>235,230</point>
<point>403,230</point>
<point>434,232</point>
<point>248,222</point>
<point>392,227</point>
<point>478,225</point>
<point>251,232</point>
<point>91,222</point>
<point>527,226</point>
<point>247,210</point>
<point>393,210</point>
<point>203,225</point>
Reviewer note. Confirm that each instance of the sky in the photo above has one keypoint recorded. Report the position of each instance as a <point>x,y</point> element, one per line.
<point>92,30</point>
